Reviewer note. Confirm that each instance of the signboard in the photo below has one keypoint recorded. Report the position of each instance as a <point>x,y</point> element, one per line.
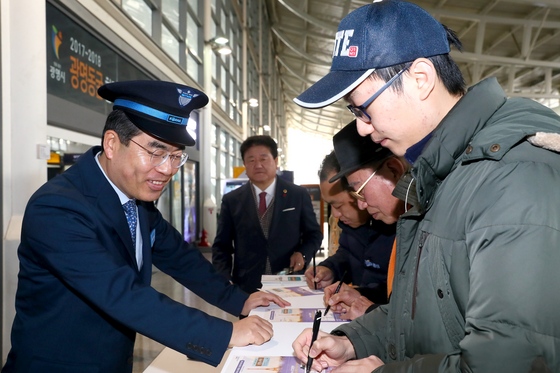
<point>78,63</point>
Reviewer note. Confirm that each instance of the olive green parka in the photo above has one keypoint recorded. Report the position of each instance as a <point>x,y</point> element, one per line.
<point>478,255</point>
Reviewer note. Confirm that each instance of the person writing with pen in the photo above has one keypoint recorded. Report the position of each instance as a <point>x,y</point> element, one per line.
<point>352,162</point>
<point>364,244</point>
<point>480,206</point>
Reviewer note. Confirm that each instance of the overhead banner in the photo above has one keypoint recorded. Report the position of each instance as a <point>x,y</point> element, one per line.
<point>78,63</point>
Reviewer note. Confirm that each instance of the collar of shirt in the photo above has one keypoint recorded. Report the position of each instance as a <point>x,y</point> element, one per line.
<point>415,150</point>
<point>122,197</point>
<point>269,192</point>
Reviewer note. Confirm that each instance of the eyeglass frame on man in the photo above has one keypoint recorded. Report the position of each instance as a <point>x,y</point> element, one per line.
<point>356,194</point>
<point>360,111</point>
<point>183,158</point>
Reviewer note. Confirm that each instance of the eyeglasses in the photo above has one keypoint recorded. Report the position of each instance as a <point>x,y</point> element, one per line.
<point>159,157</point>
<point>357,194</point>
<point>360,111</point>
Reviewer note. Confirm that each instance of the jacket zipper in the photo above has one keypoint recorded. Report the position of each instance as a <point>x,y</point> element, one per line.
<point>415,288</point>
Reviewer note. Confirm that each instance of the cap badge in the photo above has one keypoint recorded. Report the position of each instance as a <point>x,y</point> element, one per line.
<point>185,97</point>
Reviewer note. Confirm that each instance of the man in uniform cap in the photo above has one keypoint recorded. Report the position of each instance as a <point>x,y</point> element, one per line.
<point>91,235</point>
<point>477,249</point>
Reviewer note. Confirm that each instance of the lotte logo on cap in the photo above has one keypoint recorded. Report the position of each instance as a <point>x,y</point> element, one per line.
<point>342,45</point>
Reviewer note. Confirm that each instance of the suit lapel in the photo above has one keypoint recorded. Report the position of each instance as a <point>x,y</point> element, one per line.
<point>105,199</point>
<point>279,205</point>
<point>249,201</point>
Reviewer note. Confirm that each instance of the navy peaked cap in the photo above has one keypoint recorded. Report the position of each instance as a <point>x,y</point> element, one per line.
<point>354,151</point>
<point>159,108</point>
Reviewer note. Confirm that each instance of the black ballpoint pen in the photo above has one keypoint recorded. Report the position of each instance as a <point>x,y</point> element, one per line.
<point>314,271</point>
<point>337,290</point>
<point>316,325</point>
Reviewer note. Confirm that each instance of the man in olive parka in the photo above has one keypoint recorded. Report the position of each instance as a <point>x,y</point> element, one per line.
<point>478,249</point>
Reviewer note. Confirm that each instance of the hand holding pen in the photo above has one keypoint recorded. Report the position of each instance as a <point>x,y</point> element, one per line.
<point>337,290</point>
<point>328,350</point>
<point>316,325</point>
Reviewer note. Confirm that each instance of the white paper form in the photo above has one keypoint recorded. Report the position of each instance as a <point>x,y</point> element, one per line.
<point>290,314</point>
<point>280,344</point>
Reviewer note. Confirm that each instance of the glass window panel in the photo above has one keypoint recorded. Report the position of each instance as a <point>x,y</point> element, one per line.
<point>193,68</point>
<point>213,29</point>
<point>192,125</point>
<point>231,111</point>
<point>223,19</point>
<point>223,81</point>
<point>163,203</point>
<point>238,98</point>
<point>239,54</point>
<point>224,165</point>
<point>169,43</point>
<point>189,200</point>
<point>193,32</point>
<point>213,161</point>
<point>232,91</point>
<point>239,74</point>
<point>214,139</point>
<point>238,155</point>
<point>214,93</point>
<point>195,6</point>
<point>171,11</point>
<point>229,170</point>
<point>223,140</point>
<point>216,69</point>
<point>176,202</point>
<point>213,189</point>
<point>140,13</point>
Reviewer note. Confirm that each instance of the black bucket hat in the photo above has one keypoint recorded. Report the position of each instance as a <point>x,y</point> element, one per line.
<point>354,151</point>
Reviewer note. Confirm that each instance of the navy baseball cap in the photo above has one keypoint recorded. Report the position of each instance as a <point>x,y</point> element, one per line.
<point>159,108</point>
<point>374,36</point>
<point>354,151</point>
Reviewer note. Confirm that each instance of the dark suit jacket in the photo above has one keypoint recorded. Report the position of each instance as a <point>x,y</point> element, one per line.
<point>293,228</point>
<point>80,297</point>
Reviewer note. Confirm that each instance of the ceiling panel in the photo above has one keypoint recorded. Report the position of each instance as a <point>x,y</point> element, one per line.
<point>516,41</point>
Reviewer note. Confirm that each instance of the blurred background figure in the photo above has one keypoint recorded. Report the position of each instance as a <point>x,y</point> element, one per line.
<point>266,225</point>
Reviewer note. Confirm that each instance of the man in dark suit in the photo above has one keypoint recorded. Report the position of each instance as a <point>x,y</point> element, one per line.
<point>90,237</point>
<point>267,225</point>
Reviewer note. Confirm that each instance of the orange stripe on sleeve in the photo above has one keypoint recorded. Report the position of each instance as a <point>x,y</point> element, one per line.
<point>391,271</point>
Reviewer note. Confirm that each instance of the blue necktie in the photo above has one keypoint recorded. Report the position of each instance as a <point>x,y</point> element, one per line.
<point>131,218</point>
